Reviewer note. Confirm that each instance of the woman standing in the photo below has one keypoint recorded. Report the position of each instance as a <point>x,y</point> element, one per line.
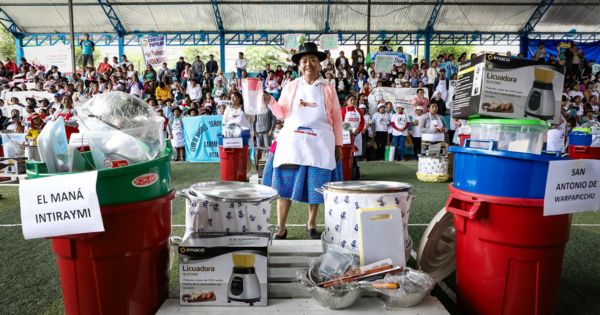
<point>400,123</point>
<point>434,126</point>
<point>176,132</point>
<point>235,114</point>
<point>354,117</point>
<point>309,144</point>
<point>381,120</point>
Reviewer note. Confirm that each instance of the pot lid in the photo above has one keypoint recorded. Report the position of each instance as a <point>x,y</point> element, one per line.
<point>369,186</point>
<point>234,191</point>
<point>437,250</point>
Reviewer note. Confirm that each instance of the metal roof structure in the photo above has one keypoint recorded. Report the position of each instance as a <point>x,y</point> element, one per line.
<point>264,22</point>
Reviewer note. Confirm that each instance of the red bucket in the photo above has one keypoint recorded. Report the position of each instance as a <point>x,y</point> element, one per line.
<point>123,270</point>
<point>347,156</point>
<point>234,163</point>
<point>508,254</point>
<point>584,152</point>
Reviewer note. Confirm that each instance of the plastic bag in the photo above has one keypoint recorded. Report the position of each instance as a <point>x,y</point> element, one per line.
<point>53,146</point>
<point>113,147</point>
<point>14,144</point>
<point>335,262</point>
<point>404,289</point>
<point>118,109</point>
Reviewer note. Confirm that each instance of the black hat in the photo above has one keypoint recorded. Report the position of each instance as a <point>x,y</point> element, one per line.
<point>308,48</point>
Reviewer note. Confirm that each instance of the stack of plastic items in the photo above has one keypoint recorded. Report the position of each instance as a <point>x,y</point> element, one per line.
<point>128,149</point>
<point>508,254</point>
<point>233,153</point>
<point>433,162</point>
<point>584,142</point>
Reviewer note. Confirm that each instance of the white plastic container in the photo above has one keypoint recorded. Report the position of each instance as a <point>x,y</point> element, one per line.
<point>516,135</point>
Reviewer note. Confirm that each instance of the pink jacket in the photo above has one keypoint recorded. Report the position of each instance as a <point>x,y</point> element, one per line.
<point>416,101</point>
<point>282,108</point>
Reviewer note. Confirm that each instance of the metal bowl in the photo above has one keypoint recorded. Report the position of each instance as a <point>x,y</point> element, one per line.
<point>332,298</point>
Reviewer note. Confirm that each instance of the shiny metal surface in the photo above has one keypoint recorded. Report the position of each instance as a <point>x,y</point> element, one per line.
<point>369,186</point>
<point>234,191</point>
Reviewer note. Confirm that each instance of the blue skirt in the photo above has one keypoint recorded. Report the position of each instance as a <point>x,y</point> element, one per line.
<point>298,182</point>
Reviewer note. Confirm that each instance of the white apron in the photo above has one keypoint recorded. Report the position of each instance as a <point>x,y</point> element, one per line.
<point>307,137</point>
<point>353,118</point>
<point>436,136</point>
<point>177,133</point>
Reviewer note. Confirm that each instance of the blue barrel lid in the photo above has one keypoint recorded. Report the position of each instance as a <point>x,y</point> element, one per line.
<point>493,151</point>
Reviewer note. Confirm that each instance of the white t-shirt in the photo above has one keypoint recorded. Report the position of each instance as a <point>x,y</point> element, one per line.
<point>241,63</point>
<point>416,131</point>
<point>400,120</point>
<point>381,121</point>
<point>195,92</point>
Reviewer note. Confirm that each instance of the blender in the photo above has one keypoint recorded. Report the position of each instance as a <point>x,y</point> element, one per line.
<point>243,284</point>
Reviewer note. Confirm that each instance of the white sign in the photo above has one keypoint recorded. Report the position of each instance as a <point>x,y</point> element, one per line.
<point>572,186</point>
<point>402,96</point>
<point>385,64</point>
<point>234,143</point>
<point>292,41</point>
<point>329,41</point>
<point>57,55</point>
<point>60,205</point>
<point>154,50</point>
<point>346,139</point>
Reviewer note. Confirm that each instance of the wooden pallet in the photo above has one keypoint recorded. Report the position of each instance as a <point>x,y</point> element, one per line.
<point>287,296</point>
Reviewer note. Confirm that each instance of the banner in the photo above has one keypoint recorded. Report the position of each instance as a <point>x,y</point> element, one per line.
<point>595,69</point>
<point>154,50</point>
<point>292,41</point>
<point>402,96</point>
<point>450,68</point>
<point>329,41</point>
<point>57,55</point>
<point>399,58</point>
<point>385,64</point>
<point>23,95</point>
<point>200,137</point>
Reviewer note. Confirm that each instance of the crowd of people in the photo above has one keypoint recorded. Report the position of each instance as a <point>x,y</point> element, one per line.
<point>199,87</point>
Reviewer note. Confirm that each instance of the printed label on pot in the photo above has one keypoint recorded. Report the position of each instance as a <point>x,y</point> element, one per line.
<point>144,180</point>
<point>114,164</point>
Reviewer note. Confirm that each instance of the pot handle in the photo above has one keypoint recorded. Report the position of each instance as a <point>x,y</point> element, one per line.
<point>492,143</point>
<point>319,190</point>
<point>187,194</point>
<point>471,214</point>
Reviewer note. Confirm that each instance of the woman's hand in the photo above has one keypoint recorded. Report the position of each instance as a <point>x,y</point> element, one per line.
<point>338,153</point>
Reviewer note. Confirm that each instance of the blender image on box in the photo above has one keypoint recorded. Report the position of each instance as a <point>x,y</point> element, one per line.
<point>243,284</point>
<point>540,102</point>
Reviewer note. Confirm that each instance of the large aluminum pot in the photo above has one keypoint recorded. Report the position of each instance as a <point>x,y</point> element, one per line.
<point>227,207</point>
<point>344,199</point>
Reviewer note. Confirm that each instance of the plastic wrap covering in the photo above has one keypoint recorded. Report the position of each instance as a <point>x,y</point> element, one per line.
<point>404,289</point>
<point>53,148</point>
<point>13,144</point>
<point>121,130</point>
<point>337,297</point>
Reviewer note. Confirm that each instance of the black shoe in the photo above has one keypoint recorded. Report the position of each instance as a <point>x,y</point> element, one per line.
<point>313,234</point>
<point>277,236</point>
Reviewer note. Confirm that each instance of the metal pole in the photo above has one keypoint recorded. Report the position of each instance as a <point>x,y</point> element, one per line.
<point>368,26</point>
<point>222,51</point>
<point>72,26</point>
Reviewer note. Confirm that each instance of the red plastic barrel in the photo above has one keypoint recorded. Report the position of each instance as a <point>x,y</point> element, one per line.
<point>463,137</point>
<point>508,254</point>
<point>123,270</point>
<point>584,152</point>
<point>234,163</point>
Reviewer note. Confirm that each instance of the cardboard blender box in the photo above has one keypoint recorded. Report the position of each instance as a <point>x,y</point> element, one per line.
<point>502,87</point>
<point>220,269</point>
